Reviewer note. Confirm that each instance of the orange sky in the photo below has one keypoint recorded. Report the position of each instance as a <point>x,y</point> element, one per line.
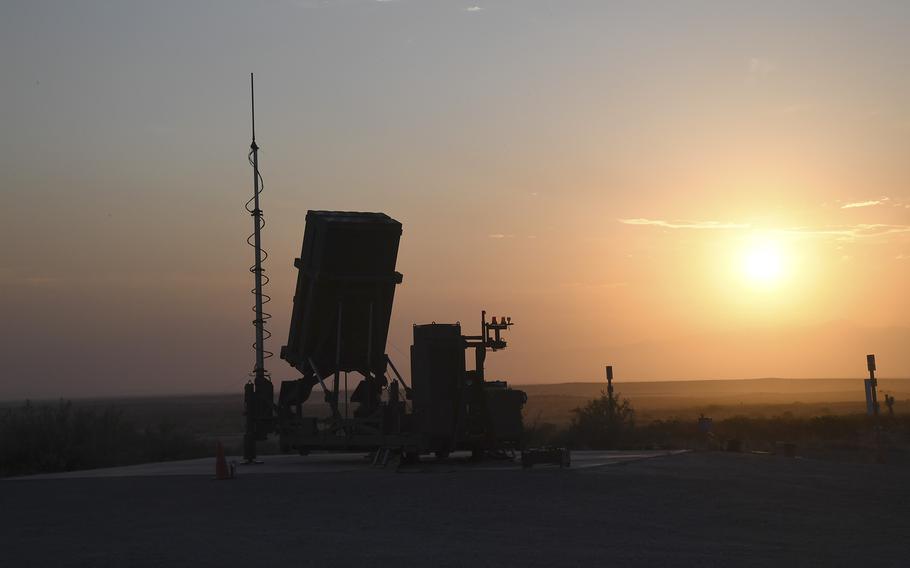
<point>685,190</point>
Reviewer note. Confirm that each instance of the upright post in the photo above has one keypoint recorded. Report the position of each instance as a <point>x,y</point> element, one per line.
<point>610,390</point>
<point>483,327</point>
<point>873,383</point>
<point>873,387</point>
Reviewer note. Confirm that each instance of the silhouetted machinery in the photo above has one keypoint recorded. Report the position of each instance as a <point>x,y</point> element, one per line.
<point>339,325</point>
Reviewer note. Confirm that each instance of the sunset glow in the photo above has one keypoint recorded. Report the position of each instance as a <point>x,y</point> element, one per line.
<point>686,190</point>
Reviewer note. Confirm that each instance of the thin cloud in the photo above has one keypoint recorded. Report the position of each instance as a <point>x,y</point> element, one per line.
<point>868,203</point>
<point>473,9</point>
<point>685,224</point>
<point>761,66</point>
<point>839,232</point>
<point>790,110</point>
<point>850,232</point>
<point>796,109</point>
<point>43,280</point>
<point>597,285</point>
<point>499,236</point>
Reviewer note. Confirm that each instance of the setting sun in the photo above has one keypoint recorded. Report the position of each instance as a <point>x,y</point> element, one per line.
<point>762,263</point>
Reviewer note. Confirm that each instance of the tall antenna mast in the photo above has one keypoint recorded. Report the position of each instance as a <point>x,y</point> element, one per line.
<point>259,371</point>
<point>258,394</point>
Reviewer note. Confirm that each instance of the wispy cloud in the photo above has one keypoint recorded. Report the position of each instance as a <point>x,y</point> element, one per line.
<point>761,66</point>
<point>508,236</point>
<point>790,110</point>
<point>796,109</point>
<point>473,9</point>
<point>868,203</point>
<point>685,224</point>
<point>849,232</point>
<point>839,232</point>
<point>43,280</point>
<point>597,285</point>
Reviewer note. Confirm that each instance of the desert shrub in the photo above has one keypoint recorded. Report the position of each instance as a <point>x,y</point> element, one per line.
<point>786,427</point>
<point>60,437</point>
<point>537,433</point>
<point>604,423</point>
<point>668,434</point>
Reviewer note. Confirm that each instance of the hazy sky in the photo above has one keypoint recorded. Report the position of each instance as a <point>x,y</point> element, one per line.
<point>682,189</point>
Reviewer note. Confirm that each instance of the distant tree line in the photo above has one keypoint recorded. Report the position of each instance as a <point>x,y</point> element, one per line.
<point>39,438</point>
<point>609,423</point>
<point>59,437</point>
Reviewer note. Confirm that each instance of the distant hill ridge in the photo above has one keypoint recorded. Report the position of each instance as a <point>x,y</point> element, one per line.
<point>722,390</point>
<point>846,389</point>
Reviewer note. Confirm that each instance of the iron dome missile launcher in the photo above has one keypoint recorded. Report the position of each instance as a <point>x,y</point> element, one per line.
<point>342,306</point>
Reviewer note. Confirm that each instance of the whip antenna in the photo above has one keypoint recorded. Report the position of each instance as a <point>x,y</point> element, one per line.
<point>258,394</point>
<point>260,279</point>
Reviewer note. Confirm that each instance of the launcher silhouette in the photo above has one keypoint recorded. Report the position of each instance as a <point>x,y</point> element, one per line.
<point>342,306</point>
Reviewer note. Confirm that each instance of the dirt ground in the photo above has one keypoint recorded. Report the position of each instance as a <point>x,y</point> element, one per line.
<point>697,509</point>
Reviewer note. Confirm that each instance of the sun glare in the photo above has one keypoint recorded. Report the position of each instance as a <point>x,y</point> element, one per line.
<point>762,263</point>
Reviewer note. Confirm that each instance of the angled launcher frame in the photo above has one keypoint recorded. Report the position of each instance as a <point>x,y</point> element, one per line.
<point>342,306</point>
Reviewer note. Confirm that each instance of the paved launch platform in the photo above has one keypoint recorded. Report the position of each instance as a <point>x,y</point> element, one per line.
<point>342,462</point>
<point>695,509</point>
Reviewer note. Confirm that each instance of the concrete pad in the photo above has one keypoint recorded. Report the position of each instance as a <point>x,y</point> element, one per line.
<point>338,463</point>
<point>697,509</point>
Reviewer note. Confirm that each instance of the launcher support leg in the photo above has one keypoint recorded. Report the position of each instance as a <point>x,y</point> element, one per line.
<point>329,395</point>
<point>258,409</point>
<point>336,382</point>
<point>249,434</point>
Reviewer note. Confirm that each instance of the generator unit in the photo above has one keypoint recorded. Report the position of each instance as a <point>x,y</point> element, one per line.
<point>342,306</point>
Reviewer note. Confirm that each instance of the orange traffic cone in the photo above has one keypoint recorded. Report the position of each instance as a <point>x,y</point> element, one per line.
<point>221,468</point>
